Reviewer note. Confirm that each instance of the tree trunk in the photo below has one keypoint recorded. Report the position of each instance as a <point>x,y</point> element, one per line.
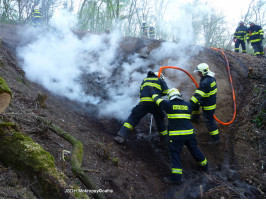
<point>5,95</point>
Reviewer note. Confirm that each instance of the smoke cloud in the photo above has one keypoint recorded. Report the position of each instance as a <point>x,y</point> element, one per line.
<point>92,69</point>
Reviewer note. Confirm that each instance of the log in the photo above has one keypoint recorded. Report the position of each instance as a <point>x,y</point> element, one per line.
<point>5,95</point>
<point>30,160</point>
<point>76,157</point>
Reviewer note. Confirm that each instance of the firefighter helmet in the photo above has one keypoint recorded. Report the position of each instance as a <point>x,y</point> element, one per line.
<point>203,68</point>
<point>241,22</point>
<point>174,94</point>
<point>161,76</point>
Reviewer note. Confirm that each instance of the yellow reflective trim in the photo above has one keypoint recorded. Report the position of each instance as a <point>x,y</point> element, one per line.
<point>209,107</point>
<point>178,116</point>
<point>155,95</point>
<point>176,171</point>
<point>200,92</point>
<point>180,107</point>
<point>214,132</point>
<point>214,83</point>
<point>194,99</point>
<point>151,85</point>
<point>129,126</point>
<point>151,79</point>
<point>165,91</point>
<point>257,40</point>
<point>146,99</point>
<point>203,163</point>
<point>163,132</point>
<point>211,93</point>
<point>181,132</point>
<point>159,101</point>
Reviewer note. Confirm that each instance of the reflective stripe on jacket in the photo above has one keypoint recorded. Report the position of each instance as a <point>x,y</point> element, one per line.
<point>36,13</point>
<point>254,33</point>
<point>241,32</point>
<point>205,95</point>
<point>179,114</point>
<point>160,87</point>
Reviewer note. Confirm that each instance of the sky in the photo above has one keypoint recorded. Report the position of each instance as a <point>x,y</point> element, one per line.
<point>231,8</point>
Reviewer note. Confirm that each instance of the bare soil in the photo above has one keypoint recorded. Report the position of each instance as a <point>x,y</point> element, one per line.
<point>236,165</point>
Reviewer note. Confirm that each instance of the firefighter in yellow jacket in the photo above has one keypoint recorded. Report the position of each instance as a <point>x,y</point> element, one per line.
<point>255,35</point>
<point>36,17</point>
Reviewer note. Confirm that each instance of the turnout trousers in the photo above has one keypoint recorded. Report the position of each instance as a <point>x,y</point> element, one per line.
<point>138,112</point>
<point>243,45</point>
<point>210,124</point>
<point>258,48</point>
<point>175,148</point>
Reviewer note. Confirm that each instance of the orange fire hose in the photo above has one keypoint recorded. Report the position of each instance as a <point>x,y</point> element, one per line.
<point>231,83</point>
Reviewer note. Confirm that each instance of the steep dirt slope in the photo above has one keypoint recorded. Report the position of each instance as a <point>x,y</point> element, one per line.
<point>235,165</point>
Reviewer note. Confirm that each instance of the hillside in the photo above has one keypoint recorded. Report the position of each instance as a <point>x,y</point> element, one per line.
<point>236,166</point>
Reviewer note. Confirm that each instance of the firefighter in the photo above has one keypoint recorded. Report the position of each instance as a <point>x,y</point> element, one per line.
<point>240,37</point>
<point>144,28</point>
<point>255,35</point>
<point>152,32</point>
<point>146,105</point>
<point>205,97</point>
<point>181,132</point>
<point>36,17</point>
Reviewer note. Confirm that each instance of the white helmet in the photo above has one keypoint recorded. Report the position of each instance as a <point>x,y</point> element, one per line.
<point>203,68</point>
<point>161,76</point>
<point>174,94</point>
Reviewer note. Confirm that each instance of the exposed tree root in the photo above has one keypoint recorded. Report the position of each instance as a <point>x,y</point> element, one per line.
<point>76,158</point>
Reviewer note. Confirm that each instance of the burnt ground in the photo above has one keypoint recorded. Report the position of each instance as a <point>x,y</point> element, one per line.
<point>236,165</point>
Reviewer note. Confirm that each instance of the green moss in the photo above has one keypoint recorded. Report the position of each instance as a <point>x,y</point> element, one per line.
<point>23,154</point>
<point>4,87</point>
<point>2,64</point>
<point>28,152</point>
<point>19,80</point>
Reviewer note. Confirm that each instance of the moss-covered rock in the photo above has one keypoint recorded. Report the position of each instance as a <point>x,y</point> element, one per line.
<point>31,160</point>
<point>5,95</point>
<point>4,87</point>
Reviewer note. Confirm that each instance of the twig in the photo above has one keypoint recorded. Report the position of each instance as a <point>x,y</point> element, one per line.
<point>91,170</point>
<point>201,192</point>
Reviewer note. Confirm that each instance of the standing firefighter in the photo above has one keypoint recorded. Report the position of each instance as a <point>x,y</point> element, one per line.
<point>36,17</point>
<point>240,37</point>
<point>205,97</point>
<point>255,36</point>
<point>181,133</point>
<point>152,32</point>
<point>146,105</point>
<point>144,29</point>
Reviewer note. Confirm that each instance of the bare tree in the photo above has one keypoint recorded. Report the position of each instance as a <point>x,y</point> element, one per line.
<point>256,12</point>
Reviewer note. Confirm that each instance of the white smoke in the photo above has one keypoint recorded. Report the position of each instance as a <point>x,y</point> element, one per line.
<point>57,59</point>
